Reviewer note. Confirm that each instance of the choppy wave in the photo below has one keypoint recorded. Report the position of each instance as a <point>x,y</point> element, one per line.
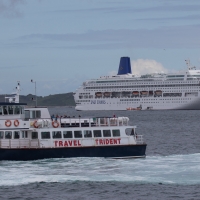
<point>174,169</point>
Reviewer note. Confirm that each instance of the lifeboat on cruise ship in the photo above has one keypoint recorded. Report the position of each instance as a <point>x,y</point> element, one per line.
<point>98,94</point>
<point>144,93</point>
<point>135,93</point>
<point>158,93</point>
<point>107,94</point>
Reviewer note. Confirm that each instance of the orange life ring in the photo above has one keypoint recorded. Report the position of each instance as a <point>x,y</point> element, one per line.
<point>8,123</point>
<point>35,124</point>
<point>16,122</point>
<point>55,124</point>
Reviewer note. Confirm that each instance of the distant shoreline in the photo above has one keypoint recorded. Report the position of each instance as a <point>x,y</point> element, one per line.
<point>66,99</point>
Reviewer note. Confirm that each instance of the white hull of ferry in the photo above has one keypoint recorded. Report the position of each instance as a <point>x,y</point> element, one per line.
<point>157,104</point>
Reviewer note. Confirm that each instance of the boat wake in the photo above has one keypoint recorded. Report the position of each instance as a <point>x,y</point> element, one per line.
<point>173,169</point>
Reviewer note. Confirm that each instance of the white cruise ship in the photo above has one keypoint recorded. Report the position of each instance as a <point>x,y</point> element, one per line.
<point>125,91</point>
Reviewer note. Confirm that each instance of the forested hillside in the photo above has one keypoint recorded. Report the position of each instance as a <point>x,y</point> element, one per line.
<point>66,99</point>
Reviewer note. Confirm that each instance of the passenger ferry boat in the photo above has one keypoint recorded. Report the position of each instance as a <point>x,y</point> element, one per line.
<point>30,133</point>
<point>156,91</point>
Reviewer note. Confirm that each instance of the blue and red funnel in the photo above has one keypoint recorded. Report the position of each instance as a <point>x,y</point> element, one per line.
<point>124,66</point>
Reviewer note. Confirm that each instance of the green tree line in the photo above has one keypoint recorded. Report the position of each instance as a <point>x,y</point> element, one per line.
<point>66,99</point>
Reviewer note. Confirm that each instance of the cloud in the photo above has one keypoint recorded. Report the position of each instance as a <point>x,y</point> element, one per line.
<point>132,8</point>
<point>9,8</point>
<point>162,37</point>
<point>146,66</point>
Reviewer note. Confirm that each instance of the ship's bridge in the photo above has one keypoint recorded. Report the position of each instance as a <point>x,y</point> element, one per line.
<point>11,110</point>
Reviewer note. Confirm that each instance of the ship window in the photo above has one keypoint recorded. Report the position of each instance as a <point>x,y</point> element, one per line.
<point>67,134</point>
<point>24,134</point>
<point>116,133</point>
<point>87,133</point>
<point>10,110</point>
<point>22,109</point>
<point>16,134</point>
<point>97,133</point>
<point>1,134</point>
<point>129,131</point>
<point>8,134</point>
<point>27,114</point>
<point>35,114</point>
<point>34,135</point>
<point>56,134</point>
<point>45,135</point>
<point>78,134</point>
<point>106,133</point>
<point>1,110</point>
<point>17,110</point>
<point>5,110</point>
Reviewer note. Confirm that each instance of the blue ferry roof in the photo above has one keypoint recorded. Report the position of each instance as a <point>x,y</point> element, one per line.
<point>11,104</point>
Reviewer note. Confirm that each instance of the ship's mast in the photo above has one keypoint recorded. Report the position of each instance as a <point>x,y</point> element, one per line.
<point>15,96</point>
<point>188,63</point>
<point>17,92</point>
<point>189,66</point>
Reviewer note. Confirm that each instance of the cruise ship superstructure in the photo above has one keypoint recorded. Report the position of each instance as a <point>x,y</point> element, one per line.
<point>126,91</point>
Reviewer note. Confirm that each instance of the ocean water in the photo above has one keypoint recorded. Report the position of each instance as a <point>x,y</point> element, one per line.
<point>171,169</point>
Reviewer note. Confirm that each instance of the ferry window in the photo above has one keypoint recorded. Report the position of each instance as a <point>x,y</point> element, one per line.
<point>10,110</point>
<point>116,133</point>
<point>78,134</point>
<point>87,133</point>
<point>16,134</point>
<point>106,133</point>
<point>1,110</point>
<point>1,134</point>
<point>8,134</point>
<point>16,110</point>
<point>32,114</point>
<point>5,110</point>
<point>45,135</point>
<point>35,114</point>
<point>24,134</point>
<point>67,134</point>
<point>97,133</point>
<point>27,114</point>
<point>34,135</point>
<point>22,110</point>
<point>38,114</point>
<point>130,131</point>
<point>56,134</point>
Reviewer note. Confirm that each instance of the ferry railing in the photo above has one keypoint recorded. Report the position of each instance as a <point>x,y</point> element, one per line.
<point>139,139</point>
<point>118,121</point>
<point>19,143</point>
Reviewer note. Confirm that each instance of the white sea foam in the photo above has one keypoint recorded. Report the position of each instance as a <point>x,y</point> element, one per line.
<point>174,169</point>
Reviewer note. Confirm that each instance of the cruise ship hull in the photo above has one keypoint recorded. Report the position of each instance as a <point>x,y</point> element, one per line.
<point>120,151</point>
<point>184,104</point>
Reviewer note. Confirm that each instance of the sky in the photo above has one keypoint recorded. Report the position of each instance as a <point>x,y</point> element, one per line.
<point>60,44</point>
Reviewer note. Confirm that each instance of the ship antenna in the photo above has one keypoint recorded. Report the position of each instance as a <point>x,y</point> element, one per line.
<point>17,92</point>
<point>188,63</point>
<point>15,96</point>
